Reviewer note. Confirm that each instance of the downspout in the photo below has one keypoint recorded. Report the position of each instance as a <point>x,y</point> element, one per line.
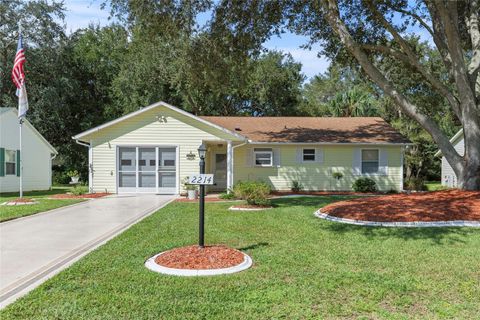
<point>90,164</point>
<point>54,155</point>
<point>233,157</point>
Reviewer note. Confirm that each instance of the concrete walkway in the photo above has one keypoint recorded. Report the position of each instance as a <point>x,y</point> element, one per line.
<point>34,248</point>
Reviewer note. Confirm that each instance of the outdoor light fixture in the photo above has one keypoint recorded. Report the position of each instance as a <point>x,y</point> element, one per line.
<point>202,150</point>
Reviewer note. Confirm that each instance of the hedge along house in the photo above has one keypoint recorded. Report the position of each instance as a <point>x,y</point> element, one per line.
<point>36,156</point>
<point>154,149</point>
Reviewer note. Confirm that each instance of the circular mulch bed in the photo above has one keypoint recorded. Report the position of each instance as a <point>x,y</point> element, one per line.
<point>197,261</point>
<point>195,257</point>
<point>448,205</point>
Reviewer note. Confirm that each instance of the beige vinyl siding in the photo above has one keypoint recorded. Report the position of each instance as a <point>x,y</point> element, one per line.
<point>317,176</point>
<point>36,156</point>
<point>160,126</point>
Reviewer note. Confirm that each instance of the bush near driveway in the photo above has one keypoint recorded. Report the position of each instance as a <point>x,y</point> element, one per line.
<point>304,268</point>
<point>254,192</point>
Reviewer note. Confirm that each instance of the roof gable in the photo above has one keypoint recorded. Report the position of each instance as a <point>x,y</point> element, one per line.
<point>13,111</point>
<point>84,135</point>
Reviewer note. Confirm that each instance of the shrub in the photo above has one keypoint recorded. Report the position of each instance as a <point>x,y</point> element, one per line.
<point>364,185</point>
<point>254,192</point>
<point>417,184</point>
<point>296,186</point>
<point>73,173</point>
<point>337,175</point>
<point>79,190</point>
<point>60,177</point>
<point>227,196</point>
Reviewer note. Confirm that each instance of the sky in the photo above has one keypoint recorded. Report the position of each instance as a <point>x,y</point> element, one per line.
<point>80,13</point>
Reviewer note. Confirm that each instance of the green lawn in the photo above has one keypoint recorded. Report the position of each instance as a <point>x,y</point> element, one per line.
<point>434,185</point>
<point>304,268</point>
<point>13,212</point>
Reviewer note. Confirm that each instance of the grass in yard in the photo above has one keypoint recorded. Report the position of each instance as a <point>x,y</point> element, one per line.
<point>13,212</point>
<point>434,186</point>
<point>304,268</point>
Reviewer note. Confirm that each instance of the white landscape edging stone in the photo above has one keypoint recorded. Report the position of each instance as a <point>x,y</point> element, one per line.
<point>15,203</point>
<point>153,266</point>
<point>233,208</point>
<point>414,224</point>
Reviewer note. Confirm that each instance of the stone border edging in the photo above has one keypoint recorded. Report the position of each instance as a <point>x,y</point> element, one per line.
<point>153,266</point>
<point>414,224</point>
<point>233,208</point>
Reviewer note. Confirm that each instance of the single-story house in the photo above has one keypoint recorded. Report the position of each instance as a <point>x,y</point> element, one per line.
<point>449,178</point>
<point>36,156</point>
<point>155,148</point>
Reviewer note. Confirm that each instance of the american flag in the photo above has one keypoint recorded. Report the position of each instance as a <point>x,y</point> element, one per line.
<point>18,77</point>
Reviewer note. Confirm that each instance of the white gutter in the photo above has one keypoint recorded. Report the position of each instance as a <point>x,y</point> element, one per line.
<point>90,164</point>
<point>233,157</point>
<point>335,143</point>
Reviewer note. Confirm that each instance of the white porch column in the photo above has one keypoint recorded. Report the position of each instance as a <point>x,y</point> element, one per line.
<point>90,168</point>
<point>229,165</point>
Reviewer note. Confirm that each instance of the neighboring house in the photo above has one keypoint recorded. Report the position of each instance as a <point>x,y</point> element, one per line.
<point>36,155</point>
<point>155,148</point>
<point>449,178</point>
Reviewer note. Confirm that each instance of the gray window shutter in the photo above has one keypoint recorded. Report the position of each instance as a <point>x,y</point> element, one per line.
<point>276,157</point>
<point>18,163</point>
<point>383,162</point>
<point>357,161</point>
<point>319,155</point>
<point>249,157</point>
<point>2,162</point>
<point>299,155</point>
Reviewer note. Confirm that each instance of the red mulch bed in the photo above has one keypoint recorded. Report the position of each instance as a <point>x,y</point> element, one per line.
<point>429,206</point>
<point>82,196</point>
<point>22,200</point>
<point>194,257</point>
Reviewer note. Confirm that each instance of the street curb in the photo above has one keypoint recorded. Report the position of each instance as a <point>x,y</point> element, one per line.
<point>414,224</point>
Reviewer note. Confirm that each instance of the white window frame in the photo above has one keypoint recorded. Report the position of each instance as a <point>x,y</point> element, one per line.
<point>314,155</point>
<point>14,162</point>
<point>258,151</point>
<point>378,162</point>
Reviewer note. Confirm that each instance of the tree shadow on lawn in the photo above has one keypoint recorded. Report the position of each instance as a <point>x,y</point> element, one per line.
<point>438,235</point>
<point>309,201</point>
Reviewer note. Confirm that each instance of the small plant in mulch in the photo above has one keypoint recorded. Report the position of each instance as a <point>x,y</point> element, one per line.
<point>296,186</point>
<point>337,175</point>
<point>79,190</point>
<point>256,193</point>
<point>227,196</point>
<point>364,185</point>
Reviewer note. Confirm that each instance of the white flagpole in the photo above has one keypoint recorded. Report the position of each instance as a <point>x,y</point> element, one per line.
<point>21,157</point>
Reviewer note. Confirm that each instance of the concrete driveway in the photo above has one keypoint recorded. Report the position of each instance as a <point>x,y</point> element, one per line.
<point>34,248</point>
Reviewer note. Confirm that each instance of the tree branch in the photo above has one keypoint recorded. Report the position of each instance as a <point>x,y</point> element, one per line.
<point>437,84</point>
<point>474,30</point>
<point>465,88</point>
<point>333,18</point>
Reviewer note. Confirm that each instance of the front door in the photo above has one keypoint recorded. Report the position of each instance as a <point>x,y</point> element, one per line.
<point>220,171</point>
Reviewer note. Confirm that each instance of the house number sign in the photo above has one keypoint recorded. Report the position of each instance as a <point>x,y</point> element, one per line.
<point>201,179</point>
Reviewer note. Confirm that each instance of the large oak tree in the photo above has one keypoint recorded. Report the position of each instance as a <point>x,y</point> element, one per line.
<point>370,31</point>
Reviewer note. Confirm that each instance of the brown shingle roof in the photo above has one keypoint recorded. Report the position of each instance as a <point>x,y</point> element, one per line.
<point>311,129</point>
